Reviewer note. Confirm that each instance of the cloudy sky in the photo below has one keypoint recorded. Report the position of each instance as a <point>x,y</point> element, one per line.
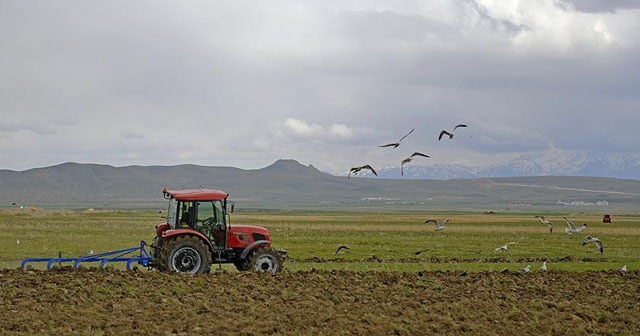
<point>244,83</point>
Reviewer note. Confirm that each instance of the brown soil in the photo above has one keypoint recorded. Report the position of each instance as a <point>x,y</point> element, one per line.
<point>113,302</point>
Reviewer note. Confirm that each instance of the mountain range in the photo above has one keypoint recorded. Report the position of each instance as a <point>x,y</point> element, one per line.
<point>549,163</point>
<point>287,184</point>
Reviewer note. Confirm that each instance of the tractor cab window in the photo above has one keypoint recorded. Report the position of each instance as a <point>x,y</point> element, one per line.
<point>172,216</point>
<point>187,214</point>
<point>210,221</point>
<point>219,214</point>
<point>206,215</point>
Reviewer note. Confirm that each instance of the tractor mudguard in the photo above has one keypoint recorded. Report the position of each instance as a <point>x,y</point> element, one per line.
<point>252,246</point>
<point>176,232</point>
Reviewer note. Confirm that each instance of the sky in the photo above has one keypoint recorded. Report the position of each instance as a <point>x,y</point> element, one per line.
<point>245,83</point>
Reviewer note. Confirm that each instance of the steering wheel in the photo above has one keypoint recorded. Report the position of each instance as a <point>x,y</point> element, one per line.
<point>207,221</point>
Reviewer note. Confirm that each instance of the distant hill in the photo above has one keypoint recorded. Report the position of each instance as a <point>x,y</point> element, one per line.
<point>286,184</point>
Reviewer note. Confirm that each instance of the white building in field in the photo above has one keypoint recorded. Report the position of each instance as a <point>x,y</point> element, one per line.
<point>599,203</point>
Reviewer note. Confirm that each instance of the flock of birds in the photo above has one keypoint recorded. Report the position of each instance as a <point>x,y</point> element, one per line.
<point>570,229</point>
<point>355,170</point>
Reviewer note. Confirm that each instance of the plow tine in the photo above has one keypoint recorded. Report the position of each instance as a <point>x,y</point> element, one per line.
<point>121,255</point>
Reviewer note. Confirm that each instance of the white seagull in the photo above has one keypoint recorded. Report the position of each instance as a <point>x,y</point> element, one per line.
<point>526,269</point>
<point>356,170</point>
<point>598,242</point>
<point>504,247</point>
<point>543,220</point>
<point>396,144</point>
<point>18,241</point>
<point>571,227</point>
<point>544,266</point>
<point>407,160</point>
<point>546,222</point>
<point>450,134</point>
<point>439,224</point>
<point>623,268</point>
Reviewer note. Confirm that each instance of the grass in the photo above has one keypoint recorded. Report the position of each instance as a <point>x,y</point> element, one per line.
<point>377,240</point>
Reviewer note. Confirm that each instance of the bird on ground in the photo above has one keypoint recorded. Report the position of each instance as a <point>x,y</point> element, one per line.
<point>341,247</point>
<point>623,268</point>
<point>450,134</point>
<point>396,144</point>
<point>544,266</point>
<point>545,222</point>
<point>407,160</point>
<point>571,227</point>
<point>597,241</point>
<point>356,170</point>
<point>526,269</point>
<point>504,247</point>
<point>18,241</point>
<point>438,224</point>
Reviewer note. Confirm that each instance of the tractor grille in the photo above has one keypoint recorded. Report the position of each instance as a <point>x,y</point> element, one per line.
<point>258,236</point>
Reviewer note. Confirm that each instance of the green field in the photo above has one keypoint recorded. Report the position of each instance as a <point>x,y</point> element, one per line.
<point>383,241</point>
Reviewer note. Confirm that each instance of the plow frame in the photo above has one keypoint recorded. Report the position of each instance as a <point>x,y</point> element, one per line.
<point>123,255</point>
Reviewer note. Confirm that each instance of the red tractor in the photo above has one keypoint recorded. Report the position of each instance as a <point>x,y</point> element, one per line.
<point>198,233</point>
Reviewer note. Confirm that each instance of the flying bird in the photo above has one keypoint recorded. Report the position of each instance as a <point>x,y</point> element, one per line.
<point>504,247</point>
<point>439,224</point>
<point>418,252</point>
<point>597,241</point>
<point>543,220</point>
<point>356,170</point>
<point>546,222</point>
<point>396,144</point>
<point>341,247</point>
<point>407,160</point>
<point>450,134</point>
<point>571,227</point>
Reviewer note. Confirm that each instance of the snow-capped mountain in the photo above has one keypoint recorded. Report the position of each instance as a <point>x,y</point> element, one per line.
<point>553,162</point>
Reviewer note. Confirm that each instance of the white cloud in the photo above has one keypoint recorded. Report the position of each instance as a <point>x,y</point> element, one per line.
<point>301,128</point>
<point>340,131</point>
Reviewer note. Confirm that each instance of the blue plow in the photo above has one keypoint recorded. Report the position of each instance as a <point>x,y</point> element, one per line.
<point>124,255</point>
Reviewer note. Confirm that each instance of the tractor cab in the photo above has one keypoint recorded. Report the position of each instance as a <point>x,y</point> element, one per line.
<point>200,210</point>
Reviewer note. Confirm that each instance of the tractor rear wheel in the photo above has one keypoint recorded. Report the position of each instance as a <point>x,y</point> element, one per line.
<point>157,255</point>
<point>265,259</point>
<point>186,254</point>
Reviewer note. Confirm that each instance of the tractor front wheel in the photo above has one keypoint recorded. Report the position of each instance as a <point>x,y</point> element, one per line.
<point>187,254</point>
<point>265,259</point>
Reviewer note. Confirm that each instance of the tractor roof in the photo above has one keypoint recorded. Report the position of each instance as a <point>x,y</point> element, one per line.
<point>196,194</point>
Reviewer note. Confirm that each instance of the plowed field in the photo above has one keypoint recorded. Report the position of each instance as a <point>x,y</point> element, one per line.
<point>113,302</point>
